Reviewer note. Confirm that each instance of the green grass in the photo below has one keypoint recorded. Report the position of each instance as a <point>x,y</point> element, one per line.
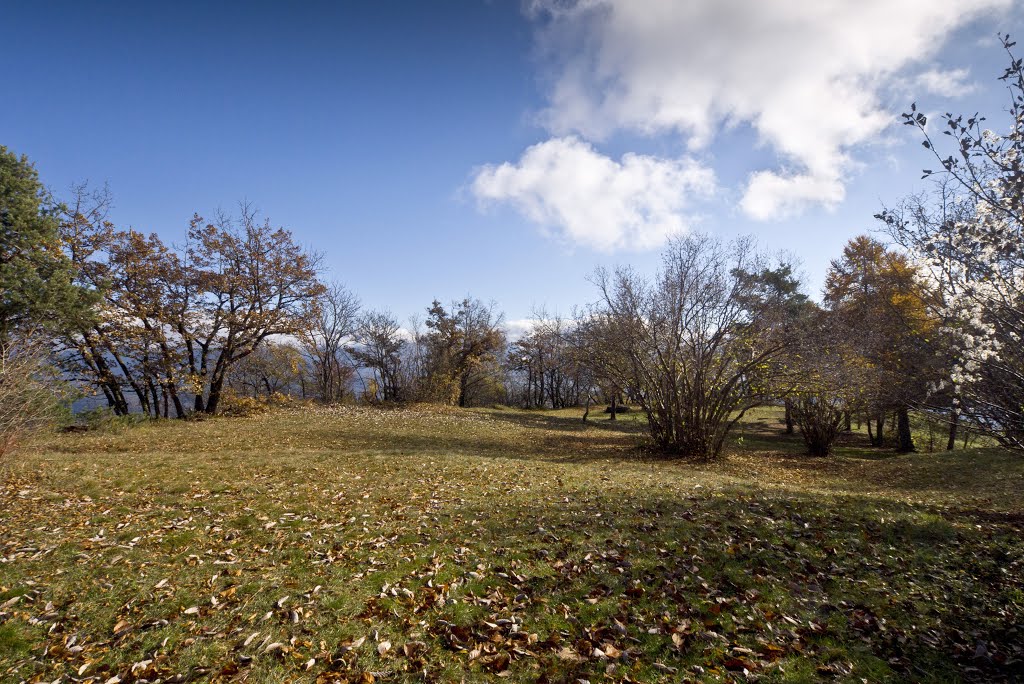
<point>502,544</point>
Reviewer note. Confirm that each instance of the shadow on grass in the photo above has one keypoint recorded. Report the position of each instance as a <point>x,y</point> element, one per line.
<point>769,434</point>
<point>568,447</point>
<point>894,591</point>
<point>630,423</point>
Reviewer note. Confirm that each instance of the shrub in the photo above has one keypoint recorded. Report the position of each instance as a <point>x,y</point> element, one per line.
<point>234,404</point>
<point>239,405</point>
<point>30,394</point>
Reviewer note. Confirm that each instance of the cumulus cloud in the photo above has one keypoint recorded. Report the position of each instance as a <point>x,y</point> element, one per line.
<point>587,198</point>
<point>805,76</point>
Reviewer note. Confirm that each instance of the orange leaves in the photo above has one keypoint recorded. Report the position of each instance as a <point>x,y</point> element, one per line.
<point>737,665</point>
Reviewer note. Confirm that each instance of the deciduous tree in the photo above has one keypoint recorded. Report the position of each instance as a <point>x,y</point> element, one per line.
<point>972,249</point>
<point>463,348</point>
<point>685,344</point>
<point>331,324</point>
<point>880,296</point>
<point>172,322</point>
<point>827,380</point>
<point>379,346</point>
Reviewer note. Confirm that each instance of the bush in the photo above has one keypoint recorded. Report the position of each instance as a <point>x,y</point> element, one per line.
<point>820,416</point>
<point>234,404</point>
<point>30,394</point>
<point>697,345</point>
<point>238,405</point>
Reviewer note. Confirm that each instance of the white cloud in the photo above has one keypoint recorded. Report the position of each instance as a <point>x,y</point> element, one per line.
<point>519,328</point>
<point>945,83</point>
<point>587,198</point>
<point>771,195</point>
<point>804,75</point>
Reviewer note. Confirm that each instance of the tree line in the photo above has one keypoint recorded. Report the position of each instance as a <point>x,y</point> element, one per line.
<point>928,321</point>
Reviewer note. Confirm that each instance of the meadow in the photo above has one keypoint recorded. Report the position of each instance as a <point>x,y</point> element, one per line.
<point>429,544</point>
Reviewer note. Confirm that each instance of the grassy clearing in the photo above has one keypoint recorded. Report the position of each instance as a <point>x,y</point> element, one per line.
<point>439,545</point>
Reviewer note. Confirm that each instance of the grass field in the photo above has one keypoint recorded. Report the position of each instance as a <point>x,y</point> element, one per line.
<point>440,545</point>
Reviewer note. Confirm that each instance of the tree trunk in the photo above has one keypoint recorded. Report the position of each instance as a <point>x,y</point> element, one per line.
<point>110,399</point>
<point>954,423</point>
<point>905,440</point>
<point>215,391</point>
<point>108,383</point>
<point>154,393</point>
<point>219,375</point>
<point>789,418</point>
<point>615,407</point>
<point>112,391</point>
<point>542,376</point>
<point>848,421</point>
<point>179,410</point>
<point>586,409</point>
<point>200,405</point>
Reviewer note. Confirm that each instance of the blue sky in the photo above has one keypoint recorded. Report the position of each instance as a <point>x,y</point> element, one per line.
<point>499,149</point>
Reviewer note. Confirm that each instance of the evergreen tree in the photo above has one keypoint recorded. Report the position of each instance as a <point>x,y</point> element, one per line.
<point>36,284</point>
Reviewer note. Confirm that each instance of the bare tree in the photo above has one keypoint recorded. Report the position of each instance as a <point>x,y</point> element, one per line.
<point>691,345</point>
<point>547,366</point>
<point>331,324</point>
<point>828,381</point>
<point>379,346</point>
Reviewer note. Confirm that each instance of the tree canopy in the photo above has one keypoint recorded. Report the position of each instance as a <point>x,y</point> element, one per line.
<point>36,277</point>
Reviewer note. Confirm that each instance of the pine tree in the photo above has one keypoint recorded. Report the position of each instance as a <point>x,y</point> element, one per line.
<point>36,284</point>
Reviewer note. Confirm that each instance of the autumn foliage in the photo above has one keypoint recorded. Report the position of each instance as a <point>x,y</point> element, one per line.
<point>172,323</point>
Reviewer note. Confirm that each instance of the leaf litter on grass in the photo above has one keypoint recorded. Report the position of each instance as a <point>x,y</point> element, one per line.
<point>419,544</point>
